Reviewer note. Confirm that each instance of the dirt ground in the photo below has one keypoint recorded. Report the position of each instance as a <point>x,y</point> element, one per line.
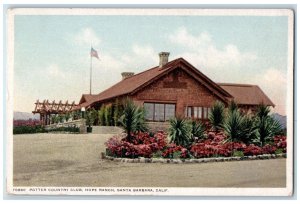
<point>74,160</point>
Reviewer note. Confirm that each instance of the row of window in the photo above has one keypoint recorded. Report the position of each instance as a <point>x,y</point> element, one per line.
<point>197,112</point>
<point>159,111</point>
<point>164,111</point>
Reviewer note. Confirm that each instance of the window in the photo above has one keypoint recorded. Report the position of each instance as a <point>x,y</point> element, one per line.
<point>197,112</point>
<point>149,108</point>
<point>159,114</point>
<point>159,111</point>
<point>169,111</point>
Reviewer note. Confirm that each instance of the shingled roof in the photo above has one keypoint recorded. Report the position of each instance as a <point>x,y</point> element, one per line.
<point>132,84</point>
<point>246,94</point>
<point>243,94</point>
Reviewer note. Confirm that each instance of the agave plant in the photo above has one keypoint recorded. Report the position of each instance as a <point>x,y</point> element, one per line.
<point>133,119</point>
<point>180,132</point>
<point>216,116</point>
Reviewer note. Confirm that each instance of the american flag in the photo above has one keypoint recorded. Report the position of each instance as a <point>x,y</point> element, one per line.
<point>94,53</point>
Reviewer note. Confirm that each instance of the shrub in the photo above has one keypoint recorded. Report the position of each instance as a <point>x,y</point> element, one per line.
<point>252,150</point>
<point>280,142</point>
<point>238,154</point>
<point>174,151</point>
<point>72,129</point>
<point>101,116</point>
<point>180,132</point>
<point>142,145</point>
<point>216,116</point>
<point>28,129</point>
<point>91,116</point>
<point>269,149</point>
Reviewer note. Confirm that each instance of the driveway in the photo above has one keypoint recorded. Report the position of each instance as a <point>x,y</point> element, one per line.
<point>74,160</point>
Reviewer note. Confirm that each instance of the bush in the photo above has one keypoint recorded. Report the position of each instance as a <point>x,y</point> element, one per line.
<point>252,150</point>
<point>280,142</point>
<point>238,154</point>
<point>28,129</point>
<point>142,145</point>
<point>72,129</point>
<point>174,151</point>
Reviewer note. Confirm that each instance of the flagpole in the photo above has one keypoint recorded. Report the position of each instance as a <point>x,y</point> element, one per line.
<point>91,75</point>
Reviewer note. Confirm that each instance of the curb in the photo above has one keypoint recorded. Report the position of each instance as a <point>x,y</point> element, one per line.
<point>190,161</point>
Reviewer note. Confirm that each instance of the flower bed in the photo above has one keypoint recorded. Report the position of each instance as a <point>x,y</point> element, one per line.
<point>214,146</point>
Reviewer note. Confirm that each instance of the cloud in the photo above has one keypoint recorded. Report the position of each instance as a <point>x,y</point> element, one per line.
<point>201,51</point>
<point>273,83</point>
<point>87,37</point>
<point>55,71</point>
<point>230,64</point>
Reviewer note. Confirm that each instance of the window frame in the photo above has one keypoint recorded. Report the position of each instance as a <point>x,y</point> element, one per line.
<point>164,111</point>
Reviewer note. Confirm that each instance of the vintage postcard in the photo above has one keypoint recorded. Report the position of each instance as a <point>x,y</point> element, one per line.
<point>181,102</point>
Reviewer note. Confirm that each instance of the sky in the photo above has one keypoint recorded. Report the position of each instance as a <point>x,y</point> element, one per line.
<point>52,52</point>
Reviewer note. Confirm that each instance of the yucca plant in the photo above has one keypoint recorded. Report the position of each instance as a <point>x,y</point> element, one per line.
<point>234,126</point>
<point>267,127</point>
<point>198,129</point>
<point>232,106</point>
<point>240,127</point>
<point>133,119</point>
<point>180,132</point>
<point>216,116</point>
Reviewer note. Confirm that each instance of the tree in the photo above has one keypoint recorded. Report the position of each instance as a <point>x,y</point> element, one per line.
<point>180,131</point>
<point>132,119</point>
<point>216,116</point>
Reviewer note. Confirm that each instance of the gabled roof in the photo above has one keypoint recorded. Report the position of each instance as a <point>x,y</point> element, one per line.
<point>86,98</point>
<point>136,82</point>
<point>246,94</point>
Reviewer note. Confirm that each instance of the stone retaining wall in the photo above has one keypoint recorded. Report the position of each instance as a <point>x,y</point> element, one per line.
<point>186,161</point>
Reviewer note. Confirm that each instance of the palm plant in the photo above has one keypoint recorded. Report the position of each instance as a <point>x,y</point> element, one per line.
<point>132,119</point>
<point>180,132</point>
<point>198,129</point>
<point>216,116</point>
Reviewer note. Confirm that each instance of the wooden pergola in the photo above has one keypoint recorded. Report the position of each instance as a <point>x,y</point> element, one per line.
<point>46,109</point>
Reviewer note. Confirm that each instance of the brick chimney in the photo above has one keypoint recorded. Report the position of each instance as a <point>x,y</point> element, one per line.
<point>163,58</point>
<point>126,75</point>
